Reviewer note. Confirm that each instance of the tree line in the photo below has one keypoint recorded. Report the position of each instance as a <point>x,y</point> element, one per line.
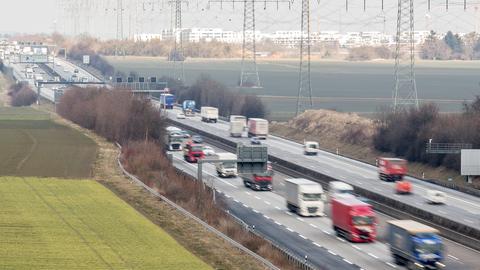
<point>407,132</point>
<point>117,115</point>
<point>451,47</point>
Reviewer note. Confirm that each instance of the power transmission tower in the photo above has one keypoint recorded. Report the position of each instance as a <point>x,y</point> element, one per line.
<point>249,74</point>
<point>304,97</point>
<point>177,55</point>
<point>405,92</point>
<point>119,35</point>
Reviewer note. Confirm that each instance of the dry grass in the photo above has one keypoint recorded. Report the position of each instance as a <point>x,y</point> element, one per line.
<point>337,131</point>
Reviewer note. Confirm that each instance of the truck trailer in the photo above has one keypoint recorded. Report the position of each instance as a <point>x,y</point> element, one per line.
<point>167,101</point>
<point>258,127</point>
<point>391,169</point>
<point>353,219</point>
<point>209,114</point>
<point>226,168</point>
<point>304,197</point>
<point>238,123</point>
<point>415,245</point>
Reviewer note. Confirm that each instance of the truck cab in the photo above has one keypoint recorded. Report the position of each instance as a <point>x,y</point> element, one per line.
<point>415,245</point>
<point>193,152</point>
<point>353,219</point>
<point>391,169</point>
<point>304,197</point>
<point>188,107</point>
<point>259,181</point>
<point>226,168</point>
<point>310,148</point>
<point>174,141</point>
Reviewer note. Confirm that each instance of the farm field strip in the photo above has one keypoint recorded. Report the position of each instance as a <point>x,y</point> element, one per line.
<point>61,224</point>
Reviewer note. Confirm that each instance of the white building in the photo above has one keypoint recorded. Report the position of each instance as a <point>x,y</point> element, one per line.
<point>147,37</point>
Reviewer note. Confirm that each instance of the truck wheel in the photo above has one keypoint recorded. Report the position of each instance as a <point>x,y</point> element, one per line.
<point>245,183</point>
<point>397,260</point>
<point>411,265</point>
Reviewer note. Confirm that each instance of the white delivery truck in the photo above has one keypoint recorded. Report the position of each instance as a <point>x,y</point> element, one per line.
<point>209,114</point>
<point>310,148</point>
<point>227,167</point>
<point>258,127</point>
<point>238,123</point>
<point>304,197</point>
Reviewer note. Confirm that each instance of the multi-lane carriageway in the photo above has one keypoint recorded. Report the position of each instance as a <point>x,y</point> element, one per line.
<point>457,256</point>
<point>460,207</point>
<point>313,237</point>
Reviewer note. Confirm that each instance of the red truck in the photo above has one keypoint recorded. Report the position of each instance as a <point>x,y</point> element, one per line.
<point>192,152</point>
<point>353,219</point>
<point>391,169</point>
<point>259,181</point>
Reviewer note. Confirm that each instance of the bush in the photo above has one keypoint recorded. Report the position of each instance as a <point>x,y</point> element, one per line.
<point>21,95</point>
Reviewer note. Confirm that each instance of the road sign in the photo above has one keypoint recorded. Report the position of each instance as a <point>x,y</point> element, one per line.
<point>252,158</point>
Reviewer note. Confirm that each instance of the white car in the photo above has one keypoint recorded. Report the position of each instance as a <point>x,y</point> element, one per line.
<point>208,151</point>
<point>436,197</point>
<point>180,115</point>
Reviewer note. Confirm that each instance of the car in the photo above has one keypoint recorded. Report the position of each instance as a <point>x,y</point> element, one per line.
<point>403,187</point>
<point>197,139</point>
<point>180,115</point>
<point>436,197</point>
<point>255,140</point>
<point>208,151</point>
<point>185,134</point>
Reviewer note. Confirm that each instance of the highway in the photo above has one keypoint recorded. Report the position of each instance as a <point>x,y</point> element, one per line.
<point>313,237</point>
<point>460,207</point>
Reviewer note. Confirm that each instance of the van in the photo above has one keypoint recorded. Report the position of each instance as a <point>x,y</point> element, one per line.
<point>339,189</point>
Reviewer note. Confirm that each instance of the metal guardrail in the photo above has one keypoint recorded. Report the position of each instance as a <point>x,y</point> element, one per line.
<point>191,216</point>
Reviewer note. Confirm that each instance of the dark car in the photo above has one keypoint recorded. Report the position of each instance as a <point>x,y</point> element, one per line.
<point>197,139</point>
<point>255,140</point>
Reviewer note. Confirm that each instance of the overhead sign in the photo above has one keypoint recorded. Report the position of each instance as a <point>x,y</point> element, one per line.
<point>86,59</point>
<point>252,158</point>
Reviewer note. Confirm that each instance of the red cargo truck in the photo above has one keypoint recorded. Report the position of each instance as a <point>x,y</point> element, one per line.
<point>353,219</point>
<point>391,169</point>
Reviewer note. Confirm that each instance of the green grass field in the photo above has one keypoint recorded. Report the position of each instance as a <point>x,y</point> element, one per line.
<point>60,224</point>
<point>33,145</point>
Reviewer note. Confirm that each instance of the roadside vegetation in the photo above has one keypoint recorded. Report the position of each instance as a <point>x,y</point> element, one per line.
<point>21,95</point>
<point>57,224</point>
<point>144,157</point>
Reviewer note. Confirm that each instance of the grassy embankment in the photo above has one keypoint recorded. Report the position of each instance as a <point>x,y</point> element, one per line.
<point>351,135</point>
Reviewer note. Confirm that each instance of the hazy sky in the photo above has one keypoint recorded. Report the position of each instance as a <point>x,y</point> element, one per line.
<point>98,17</point>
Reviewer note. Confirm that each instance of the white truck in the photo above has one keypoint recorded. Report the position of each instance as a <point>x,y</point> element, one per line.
<point>304,197</point>
<point>209,114</point>
<point>238,123</point>
<point>310,148</point>
<point>258,127</point>
<point>227,167</point>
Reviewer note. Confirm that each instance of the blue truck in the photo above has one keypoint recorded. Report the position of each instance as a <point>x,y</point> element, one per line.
<point>188,107</point>
<point>415,245</point>
<point>167,101</point>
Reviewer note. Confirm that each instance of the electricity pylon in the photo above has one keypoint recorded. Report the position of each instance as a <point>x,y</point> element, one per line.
<point>304,97</point>
<point>177,55</point>
<point>405,91</point>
